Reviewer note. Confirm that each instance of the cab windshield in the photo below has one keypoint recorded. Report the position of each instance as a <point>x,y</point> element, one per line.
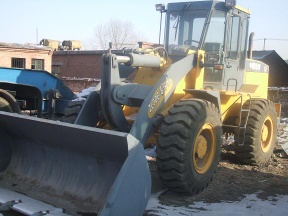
<point>185,30</point>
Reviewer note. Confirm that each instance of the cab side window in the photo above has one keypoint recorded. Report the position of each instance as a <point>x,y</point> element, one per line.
<point>233,37</point>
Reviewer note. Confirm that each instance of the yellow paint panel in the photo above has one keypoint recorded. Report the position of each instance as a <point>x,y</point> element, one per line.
<point>230,104</point>
<point>260,79</point>
<point>159,96</point>
<point>243,9</point>
<point>150,76</point>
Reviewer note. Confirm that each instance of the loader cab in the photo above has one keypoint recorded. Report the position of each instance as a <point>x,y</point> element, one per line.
<point>217,28</point>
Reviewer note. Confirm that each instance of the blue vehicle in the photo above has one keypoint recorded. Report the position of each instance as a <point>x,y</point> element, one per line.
<point>38,91</point>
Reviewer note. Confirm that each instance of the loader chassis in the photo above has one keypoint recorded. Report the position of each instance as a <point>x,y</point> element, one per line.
<point>181,97</point>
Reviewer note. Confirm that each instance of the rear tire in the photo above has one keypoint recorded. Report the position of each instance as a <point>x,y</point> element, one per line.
<point>189,145</point>
<point>260,136</point>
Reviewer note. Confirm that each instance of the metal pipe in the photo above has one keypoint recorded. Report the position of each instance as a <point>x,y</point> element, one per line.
<point>250,45</point>
<point>160,27</point>
<point>137,60</point>
<point>123,59</point>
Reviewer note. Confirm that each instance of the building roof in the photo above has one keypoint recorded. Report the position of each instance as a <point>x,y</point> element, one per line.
<point>145,45</point>
<point>78,52</point>
<point>278,68</point>
<point>24,46</point>
<point>261,54</point>
<point>85,52</point>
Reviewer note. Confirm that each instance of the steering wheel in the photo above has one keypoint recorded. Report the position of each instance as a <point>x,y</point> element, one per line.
<point>188,42</point>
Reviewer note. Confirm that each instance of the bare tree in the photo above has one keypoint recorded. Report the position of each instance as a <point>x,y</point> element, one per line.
<point>120,33</point>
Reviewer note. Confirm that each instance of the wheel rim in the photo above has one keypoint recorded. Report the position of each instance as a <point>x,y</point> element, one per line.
<point>266,134</point>
<point>204,148</point>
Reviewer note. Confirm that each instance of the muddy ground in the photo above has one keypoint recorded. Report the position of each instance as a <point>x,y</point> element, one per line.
<point>233,180</point>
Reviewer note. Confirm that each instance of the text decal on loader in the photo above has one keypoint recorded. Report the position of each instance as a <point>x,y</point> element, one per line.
<point>159,96</point>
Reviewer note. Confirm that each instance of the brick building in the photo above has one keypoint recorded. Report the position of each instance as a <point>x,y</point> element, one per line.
<point>77,64</point>
<point>78,69</point>
<point>82,63</point>
<point>82,68</point>
<point>25,56</point>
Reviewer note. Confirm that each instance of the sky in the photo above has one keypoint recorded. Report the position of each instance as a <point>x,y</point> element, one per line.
<point>29,21</point>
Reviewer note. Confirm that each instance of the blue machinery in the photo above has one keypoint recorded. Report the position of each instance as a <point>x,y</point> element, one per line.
<point>36,90</point>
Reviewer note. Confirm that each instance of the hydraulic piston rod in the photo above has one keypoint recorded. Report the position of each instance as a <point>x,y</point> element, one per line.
<point>136,60</point>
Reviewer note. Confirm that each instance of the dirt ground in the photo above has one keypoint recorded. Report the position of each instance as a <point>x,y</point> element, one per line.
<point>233,180</point>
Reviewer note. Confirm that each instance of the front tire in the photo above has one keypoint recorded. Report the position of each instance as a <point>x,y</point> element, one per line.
<point>72,111</point>
<point>189,145</point>
<point>260,136</point>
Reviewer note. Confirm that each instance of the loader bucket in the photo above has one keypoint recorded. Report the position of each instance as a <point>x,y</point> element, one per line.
<point>62,169</point>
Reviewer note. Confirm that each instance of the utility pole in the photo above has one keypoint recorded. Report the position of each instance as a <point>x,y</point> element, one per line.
<point>37,36</point>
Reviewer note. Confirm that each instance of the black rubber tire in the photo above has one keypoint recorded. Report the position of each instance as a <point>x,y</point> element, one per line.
<point>5,106</point>
<point>177,156</point>
<point>8,103</point>
<point>260,135</point>
<point>72,111</point>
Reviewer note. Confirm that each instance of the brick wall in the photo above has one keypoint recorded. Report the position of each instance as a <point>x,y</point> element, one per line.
<point>7,53</point>
<point>83,63</point>
<point>78,64</point>
<point>82,68</point>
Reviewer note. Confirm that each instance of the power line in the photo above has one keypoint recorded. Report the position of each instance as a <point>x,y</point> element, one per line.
<point>271,39</point>
<point>264,40</point>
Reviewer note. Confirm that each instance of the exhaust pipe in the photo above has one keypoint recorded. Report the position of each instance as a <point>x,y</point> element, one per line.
<point>250,45</point>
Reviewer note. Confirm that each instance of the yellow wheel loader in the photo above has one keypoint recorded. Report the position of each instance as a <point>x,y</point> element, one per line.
<point>181,97</point>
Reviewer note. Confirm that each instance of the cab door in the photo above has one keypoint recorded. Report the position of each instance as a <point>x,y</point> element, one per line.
<point>236,46</point>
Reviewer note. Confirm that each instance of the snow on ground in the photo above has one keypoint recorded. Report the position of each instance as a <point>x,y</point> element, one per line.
<point>250,205</point>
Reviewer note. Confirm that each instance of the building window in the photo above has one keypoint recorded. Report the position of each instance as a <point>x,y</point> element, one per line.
<point>37,64</point>
<point>18,62</point>
<point>56,70</point>
<point>56,67</point>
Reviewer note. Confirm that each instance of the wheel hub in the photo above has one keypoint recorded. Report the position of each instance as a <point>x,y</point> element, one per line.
<point>201,147</point>
<point>204,148</point>
<point>264,133</point>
